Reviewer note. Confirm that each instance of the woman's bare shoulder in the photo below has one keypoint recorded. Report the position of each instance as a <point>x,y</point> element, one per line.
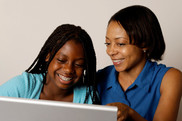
<point>172,80</point>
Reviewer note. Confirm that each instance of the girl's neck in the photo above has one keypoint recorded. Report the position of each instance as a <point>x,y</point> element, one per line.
<point>52,93</point>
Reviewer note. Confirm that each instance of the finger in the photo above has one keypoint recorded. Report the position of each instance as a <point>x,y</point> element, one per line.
<point>119,113</point>
<point>121,118</point>
<point>110,104</point>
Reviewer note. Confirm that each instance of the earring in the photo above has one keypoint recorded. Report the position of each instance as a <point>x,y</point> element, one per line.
<point>144,51</point>
<point>84,74</point>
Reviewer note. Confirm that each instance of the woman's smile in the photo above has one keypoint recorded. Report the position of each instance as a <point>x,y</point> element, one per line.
<point>117,61</point>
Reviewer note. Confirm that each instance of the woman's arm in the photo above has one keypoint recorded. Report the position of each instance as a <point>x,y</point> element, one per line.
<point>171,92</point>
<point>167,109</point>
<point>125,113</point>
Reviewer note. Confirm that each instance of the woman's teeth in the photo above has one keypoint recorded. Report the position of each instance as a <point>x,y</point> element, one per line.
<point>116,61</point>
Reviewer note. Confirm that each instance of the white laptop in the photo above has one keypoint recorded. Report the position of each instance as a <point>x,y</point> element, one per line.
<point>19,109</point>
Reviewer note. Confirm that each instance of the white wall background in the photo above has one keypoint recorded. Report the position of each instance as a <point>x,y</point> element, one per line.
<point>26,24</point>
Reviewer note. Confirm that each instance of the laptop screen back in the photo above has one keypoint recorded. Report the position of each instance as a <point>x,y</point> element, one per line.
<point>18,109</point>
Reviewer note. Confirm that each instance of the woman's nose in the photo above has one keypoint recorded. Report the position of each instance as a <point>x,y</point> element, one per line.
<point>111,50</point>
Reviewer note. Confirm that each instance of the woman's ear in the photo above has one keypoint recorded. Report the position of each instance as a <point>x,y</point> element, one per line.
<point>47,57</point>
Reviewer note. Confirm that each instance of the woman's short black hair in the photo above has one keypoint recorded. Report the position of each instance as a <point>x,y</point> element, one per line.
<point>56,40</point>
<point>143,29</point>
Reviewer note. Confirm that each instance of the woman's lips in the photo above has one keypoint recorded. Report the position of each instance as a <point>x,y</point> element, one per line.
<point>117,62</point>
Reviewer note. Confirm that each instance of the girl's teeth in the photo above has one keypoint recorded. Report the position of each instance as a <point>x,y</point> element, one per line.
<point>64,78</point>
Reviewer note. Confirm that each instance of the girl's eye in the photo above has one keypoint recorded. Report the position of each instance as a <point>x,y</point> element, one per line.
<point>79,65</point>
<point>61,60</point>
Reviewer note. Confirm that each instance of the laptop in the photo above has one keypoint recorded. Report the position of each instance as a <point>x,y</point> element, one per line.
<point>20,109</point>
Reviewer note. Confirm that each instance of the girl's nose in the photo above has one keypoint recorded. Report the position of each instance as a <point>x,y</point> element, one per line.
<point>68,68</point>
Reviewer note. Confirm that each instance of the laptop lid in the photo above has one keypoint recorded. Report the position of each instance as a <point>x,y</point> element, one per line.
<point>20,109</point>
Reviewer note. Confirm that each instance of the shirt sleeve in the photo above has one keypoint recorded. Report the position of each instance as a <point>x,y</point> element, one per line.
<point>26,85</point>
<point>13,87</point>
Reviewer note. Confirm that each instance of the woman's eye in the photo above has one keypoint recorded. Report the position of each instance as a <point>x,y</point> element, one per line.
<point>107,43</point>
<point>121,44</point>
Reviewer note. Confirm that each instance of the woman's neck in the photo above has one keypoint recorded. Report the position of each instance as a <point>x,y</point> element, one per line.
<point>127,78</point>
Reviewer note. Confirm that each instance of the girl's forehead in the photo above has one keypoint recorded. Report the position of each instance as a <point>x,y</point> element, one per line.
<point>70,48</point>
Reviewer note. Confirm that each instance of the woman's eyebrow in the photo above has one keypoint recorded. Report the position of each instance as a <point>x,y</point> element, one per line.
<point>117,38</point>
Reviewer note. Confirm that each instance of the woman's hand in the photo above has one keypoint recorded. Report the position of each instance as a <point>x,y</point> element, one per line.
<point>123,111</point>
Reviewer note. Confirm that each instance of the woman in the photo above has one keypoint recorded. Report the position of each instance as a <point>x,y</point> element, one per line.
<point>140,87</point>
<point>64,70</point>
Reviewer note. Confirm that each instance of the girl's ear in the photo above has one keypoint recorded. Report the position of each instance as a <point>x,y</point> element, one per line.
<point>145,49</point>
<point>47,57</point>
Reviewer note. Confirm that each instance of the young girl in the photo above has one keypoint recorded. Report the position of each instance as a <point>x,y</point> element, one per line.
<point>64,70</point>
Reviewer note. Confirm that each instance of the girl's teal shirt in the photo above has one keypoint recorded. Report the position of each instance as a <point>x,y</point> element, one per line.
<point>28,85</point>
